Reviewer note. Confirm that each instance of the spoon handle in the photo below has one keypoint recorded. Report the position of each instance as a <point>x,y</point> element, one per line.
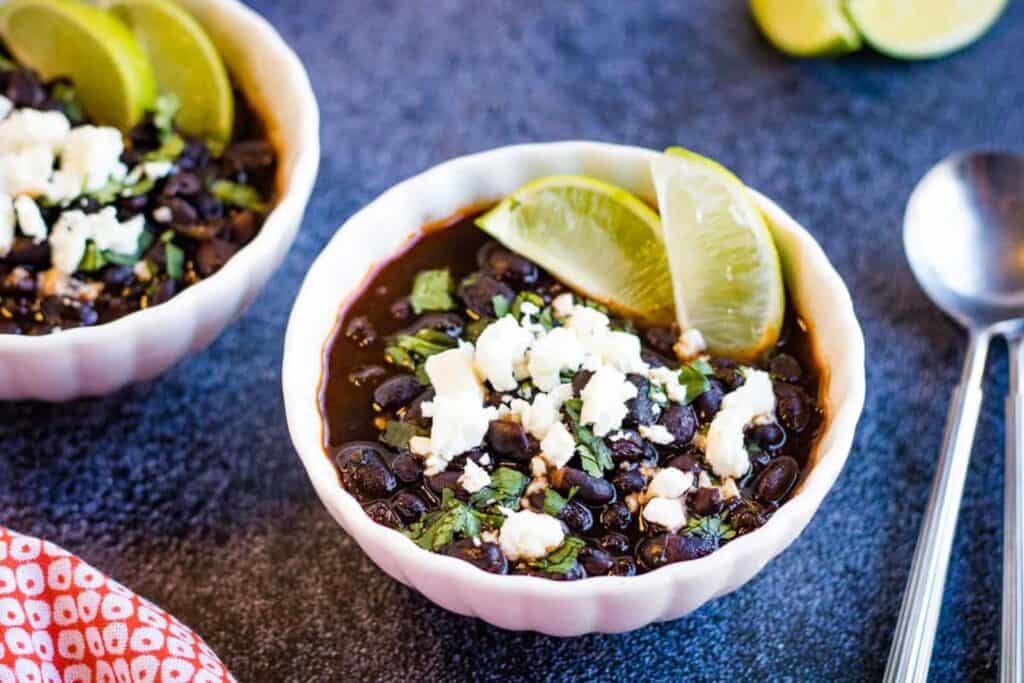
<point>1012,655</point>
<point>915,631</point>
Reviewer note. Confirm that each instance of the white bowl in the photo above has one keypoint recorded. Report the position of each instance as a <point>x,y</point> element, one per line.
<point>602,604</point>
<point>96,360</point>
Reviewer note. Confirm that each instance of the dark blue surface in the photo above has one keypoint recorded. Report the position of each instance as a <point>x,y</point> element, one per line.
<point>188,490</point>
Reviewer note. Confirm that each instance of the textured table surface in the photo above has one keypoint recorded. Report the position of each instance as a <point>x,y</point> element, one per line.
<point>188,489</point>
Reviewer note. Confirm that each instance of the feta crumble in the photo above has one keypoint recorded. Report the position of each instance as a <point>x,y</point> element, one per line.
<point>690,345</point>
<point>562,305</point>
<point>604,400</point>
<point>665,512</point>
<point>93,153</point>
<point>527,535</point>
<point>725,449</point>
<point>6,224</point>
<point>558,446</point>
<point>552,353</point>
<point>74,228</point>
<point>30,220</point>
<point>474,477</point>
<point>658,434</point>
<point>670,482</point>
<point>162,214</point>
<point>501,346</point>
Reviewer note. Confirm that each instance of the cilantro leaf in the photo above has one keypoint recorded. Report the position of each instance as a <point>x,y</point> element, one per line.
<point>238,194</point>
<point>164,111</point>
<point>92,260</point>
<point>522,298</point>
<point>397,434</point>
<point>116,188</point>
<point>169,150</point>
<point>595,456</point>
<point>553,502</point>
<point>426,342</point>
<point>694,378</point>
<point>500,304</point>
<point>174,257</point>
<point>145,240</point>
<point>432,291</point>
<point>562,559</point>
<point>437,529</point>
<point>546,318</point>
<point>709,527</point>
<point>506,488</point>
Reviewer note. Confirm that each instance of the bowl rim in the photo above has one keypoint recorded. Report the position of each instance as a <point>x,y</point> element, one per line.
<point>760,545</point>
<point>292,190</point>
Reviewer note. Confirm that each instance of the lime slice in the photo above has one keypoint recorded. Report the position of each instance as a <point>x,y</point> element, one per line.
<point>725,270</point>
<point>186,64</point>
<point>112,76</point>
<point>806,28</point>
<point>920,29</point>
<point>597,238</point>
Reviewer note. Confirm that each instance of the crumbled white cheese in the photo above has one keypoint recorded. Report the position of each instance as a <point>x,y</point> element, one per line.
<point>540,416</point>
<point>658,434</point>
<point>141,271</point>
<point>562,305</point>
<point>690,345</point>
<point>604,400</point>
<point>669,482</point>
<point>28,128</point>
<point>155,170</point>
<point>6,224</point>
<point>30,220</point>
<point>528,308</point>
<point>587,322</point>
<point>93,153</point>
<point>485,459</point>
<point>621,350</point>
<point>668,379</point>
<point>474,477</point>
<point>724,449</point>
<point>527,535</point>
<point>163,214</point>
<point>451,373</point>
<point>420,445</point>
<point>665,512</point>
<point>501,346</point>
<point>558,446</point>
<point>538,466</point>
<point>552,353</point>
<point>74,228</point>
<point>26,171</point>
<point>6,107</point>
<point>728,489</point>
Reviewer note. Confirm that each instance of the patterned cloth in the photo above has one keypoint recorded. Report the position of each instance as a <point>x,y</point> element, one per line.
<point>62,621</point>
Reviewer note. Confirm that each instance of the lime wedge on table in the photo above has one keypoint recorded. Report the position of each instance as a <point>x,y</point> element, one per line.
<point>725,268</point>
<point>919,29</point>
<point>596,237</point>
<point>186,64</point>
<point>112,76</point>
<point>807,28</point>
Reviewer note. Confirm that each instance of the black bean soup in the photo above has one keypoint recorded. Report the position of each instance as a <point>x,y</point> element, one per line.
<point>375,389</point>
<point>197,216</point>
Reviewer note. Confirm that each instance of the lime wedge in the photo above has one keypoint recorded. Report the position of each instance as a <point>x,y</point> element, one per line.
<point>186,64</point>
<point>725,270</point>
<point>112,76</point>
<point>806,28</point>
<point>921,29</point>
<point>597,238</point>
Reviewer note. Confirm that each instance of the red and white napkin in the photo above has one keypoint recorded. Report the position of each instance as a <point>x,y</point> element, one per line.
<point>62,621</point>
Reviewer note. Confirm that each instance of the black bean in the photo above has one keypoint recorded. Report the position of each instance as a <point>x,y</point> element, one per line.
<point>623,566</point>
<point>506,265</point>
<point>590,490</point>
<point>768,436</point>
<point>25,252</point>
<point>414,414</point>
<point>661,339</point>
<point>409,506</point>
<point>361,331</point>
<point>509,438</point>
<point>792,406</point>
<point>684,548</point>
<point>747,516</point>
<point>707,404</point>
<point>680,422</point>
<point>117,276</point>
<point>401,309</point>
<point>785,368</point>
<point>486,556</point>
<point>616,517</point>
<point>366,374</point>
<point>640,409</point>
<point>577,517</point>
<point>478,294</point>
<point>213,254</point>
<point>653,552</point>
<point>629,481</point>
<point>628,446</point>
<point>363,470</point>
<point>182,213</point>
<point>447,323</point>
<point>407,468</point>
<point>686,462</point>
<point>164,291</point>
<point>241,226</point>
<point>448,479</point>
<point>183,184</point>
<point>580,379</point>
<point>655,360</point>
<point>597,562</point>
<point>728,372</point>
<point>396,392</point>
<point>777,479</point>
<point>705,501</point>
<point>249,155</point>
<point>614,543</point>
<point>381,513</point>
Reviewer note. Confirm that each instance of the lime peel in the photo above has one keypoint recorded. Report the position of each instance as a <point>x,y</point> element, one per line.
<point>807,28</point>
<point>923,29</point>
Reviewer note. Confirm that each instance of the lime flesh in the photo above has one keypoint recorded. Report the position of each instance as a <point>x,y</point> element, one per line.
<point>185,62</point>
<point>806,28</point>
<point>725,268</point>
<point>111,73</point>
<point>922,29</point>
<point>597,238</point>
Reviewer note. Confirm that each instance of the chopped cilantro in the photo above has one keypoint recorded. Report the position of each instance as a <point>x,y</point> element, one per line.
<point>546,318</point>
<point>562,559</point>
<point>437,529</point>
<point>594,453</point>
<point>554,502</point>
<point>116,188</point>
<point>657,394</point>
<point>524,297</point>
<point>709,527</point>
<point>92,260</point>
<point>238,194</point>
<point>169,150</point>
<point>174,257</point>
<point>426,342</point>
<point>164,111</point>
<point>694,377</point>
<point>65,94</point>
<point>396,355</point>
<point>500,304</point>
<point>397,434</point>
<point>506,488</point>
<point>596,305</point>
<point>432,291</point>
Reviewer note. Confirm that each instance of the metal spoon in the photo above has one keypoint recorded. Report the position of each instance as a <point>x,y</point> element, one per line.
<point>964,237</point>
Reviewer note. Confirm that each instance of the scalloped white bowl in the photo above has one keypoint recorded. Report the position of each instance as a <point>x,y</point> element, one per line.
<point>602,604</point>
<point>90,361</point>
